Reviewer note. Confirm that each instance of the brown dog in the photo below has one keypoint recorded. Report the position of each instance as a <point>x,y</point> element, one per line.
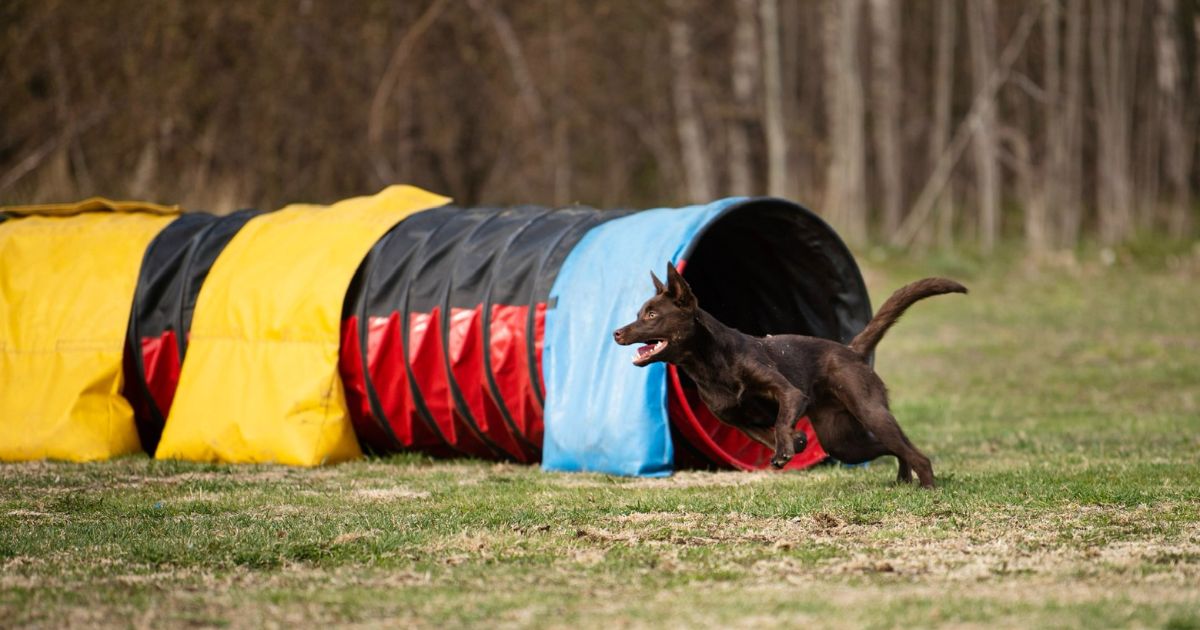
<point>763,386</point>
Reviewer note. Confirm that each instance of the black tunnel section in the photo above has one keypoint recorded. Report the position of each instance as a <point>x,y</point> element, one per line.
<point>173,270</point>
<point>772,267</point>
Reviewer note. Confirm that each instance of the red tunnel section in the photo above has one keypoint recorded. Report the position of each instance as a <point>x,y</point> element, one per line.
<point>504,376</point>
<point>443,328</point>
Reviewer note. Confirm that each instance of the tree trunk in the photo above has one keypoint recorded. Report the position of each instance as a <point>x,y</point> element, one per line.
<point>1070,210</point>
<point>744,64</point>
<point>1021,164</point>
<point>1038,227</point>
<point>885,100</point>
<point>384,171</point>
<point>527,91</point>
<point>776,131</point>
<point>1177,138</point>
<point>689,126</point>
<point>981,24</point>
<point>1111,44</point>
<point>845,111</point>
<point>1148,106</point>
<point>943,91</point>
<point>800,107</point>
<point>562,108</point>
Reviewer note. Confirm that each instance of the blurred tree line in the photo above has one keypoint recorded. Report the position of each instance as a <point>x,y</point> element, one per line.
<point>915,122</point>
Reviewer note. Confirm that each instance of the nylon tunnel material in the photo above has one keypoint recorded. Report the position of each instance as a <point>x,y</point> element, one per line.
<point>457,316</point>
<point>443,330</point>
<point>481,332</point>
<point>67,278</point>
<point>763,266</point>
<point>260,381</point>
<point>174,268</point>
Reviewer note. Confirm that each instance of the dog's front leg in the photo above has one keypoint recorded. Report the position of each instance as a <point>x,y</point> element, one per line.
<point>791,406</point>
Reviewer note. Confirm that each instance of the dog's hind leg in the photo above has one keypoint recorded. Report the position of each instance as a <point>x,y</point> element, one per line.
<point>843,436</point>
<point>880,421</point>
<point>904,475</point>
<point>867,400</point>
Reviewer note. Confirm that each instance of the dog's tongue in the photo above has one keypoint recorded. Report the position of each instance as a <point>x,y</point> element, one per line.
<point>646,349</point>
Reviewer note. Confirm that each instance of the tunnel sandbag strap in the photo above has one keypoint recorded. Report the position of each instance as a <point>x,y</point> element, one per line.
<point>260,382</point>
<point>604,414</point>
<point>66,287</point>
<point>93,204</point>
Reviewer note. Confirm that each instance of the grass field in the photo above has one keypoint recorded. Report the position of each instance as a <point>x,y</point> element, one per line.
<point>1061,408</point>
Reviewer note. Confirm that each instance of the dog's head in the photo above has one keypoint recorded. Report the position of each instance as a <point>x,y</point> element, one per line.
<point>665,322</point>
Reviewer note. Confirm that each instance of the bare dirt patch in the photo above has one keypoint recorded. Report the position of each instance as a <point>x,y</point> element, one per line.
<point>1020,542</point>
<point>389,494</point>
<point>700,479</point>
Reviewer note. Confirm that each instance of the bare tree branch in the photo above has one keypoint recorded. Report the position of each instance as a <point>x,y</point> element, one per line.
<point>383,91</point>
<point>30,162</point>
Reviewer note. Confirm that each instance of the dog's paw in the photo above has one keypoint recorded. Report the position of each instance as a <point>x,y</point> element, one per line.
<point>779,461</point>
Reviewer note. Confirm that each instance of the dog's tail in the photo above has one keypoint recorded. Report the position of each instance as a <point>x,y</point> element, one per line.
<point>864,343</point>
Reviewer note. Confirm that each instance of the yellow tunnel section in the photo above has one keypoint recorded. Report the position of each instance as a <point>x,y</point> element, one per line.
<point>67,278</point>
<point>260,381</point>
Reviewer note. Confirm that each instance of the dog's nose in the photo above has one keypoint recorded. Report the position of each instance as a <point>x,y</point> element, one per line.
<point>617,336</point>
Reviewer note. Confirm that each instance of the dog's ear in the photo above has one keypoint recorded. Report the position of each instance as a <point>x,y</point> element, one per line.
<point>678,289</point>
<point>659,287</point>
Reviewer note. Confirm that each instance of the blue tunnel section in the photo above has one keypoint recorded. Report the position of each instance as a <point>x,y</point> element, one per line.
<point>763,266</point>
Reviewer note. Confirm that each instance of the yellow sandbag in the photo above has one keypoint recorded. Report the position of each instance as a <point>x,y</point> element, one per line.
<point>66,289</point>
<point>260,382</point>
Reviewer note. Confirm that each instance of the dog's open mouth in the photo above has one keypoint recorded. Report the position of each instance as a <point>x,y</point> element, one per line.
<point>644,353</point>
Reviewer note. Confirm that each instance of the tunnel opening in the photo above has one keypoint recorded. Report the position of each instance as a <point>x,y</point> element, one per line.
<point>764,267</point>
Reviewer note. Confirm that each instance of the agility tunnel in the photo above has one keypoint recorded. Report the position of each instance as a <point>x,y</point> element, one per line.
<point>487,332</point>
<point>453,331</point>
<point>763,266</point>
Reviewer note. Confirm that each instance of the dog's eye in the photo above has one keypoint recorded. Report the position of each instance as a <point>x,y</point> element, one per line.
<point>651,314</point>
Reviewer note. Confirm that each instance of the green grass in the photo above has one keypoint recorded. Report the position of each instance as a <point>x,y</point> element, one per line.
<point>1060,404</point>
